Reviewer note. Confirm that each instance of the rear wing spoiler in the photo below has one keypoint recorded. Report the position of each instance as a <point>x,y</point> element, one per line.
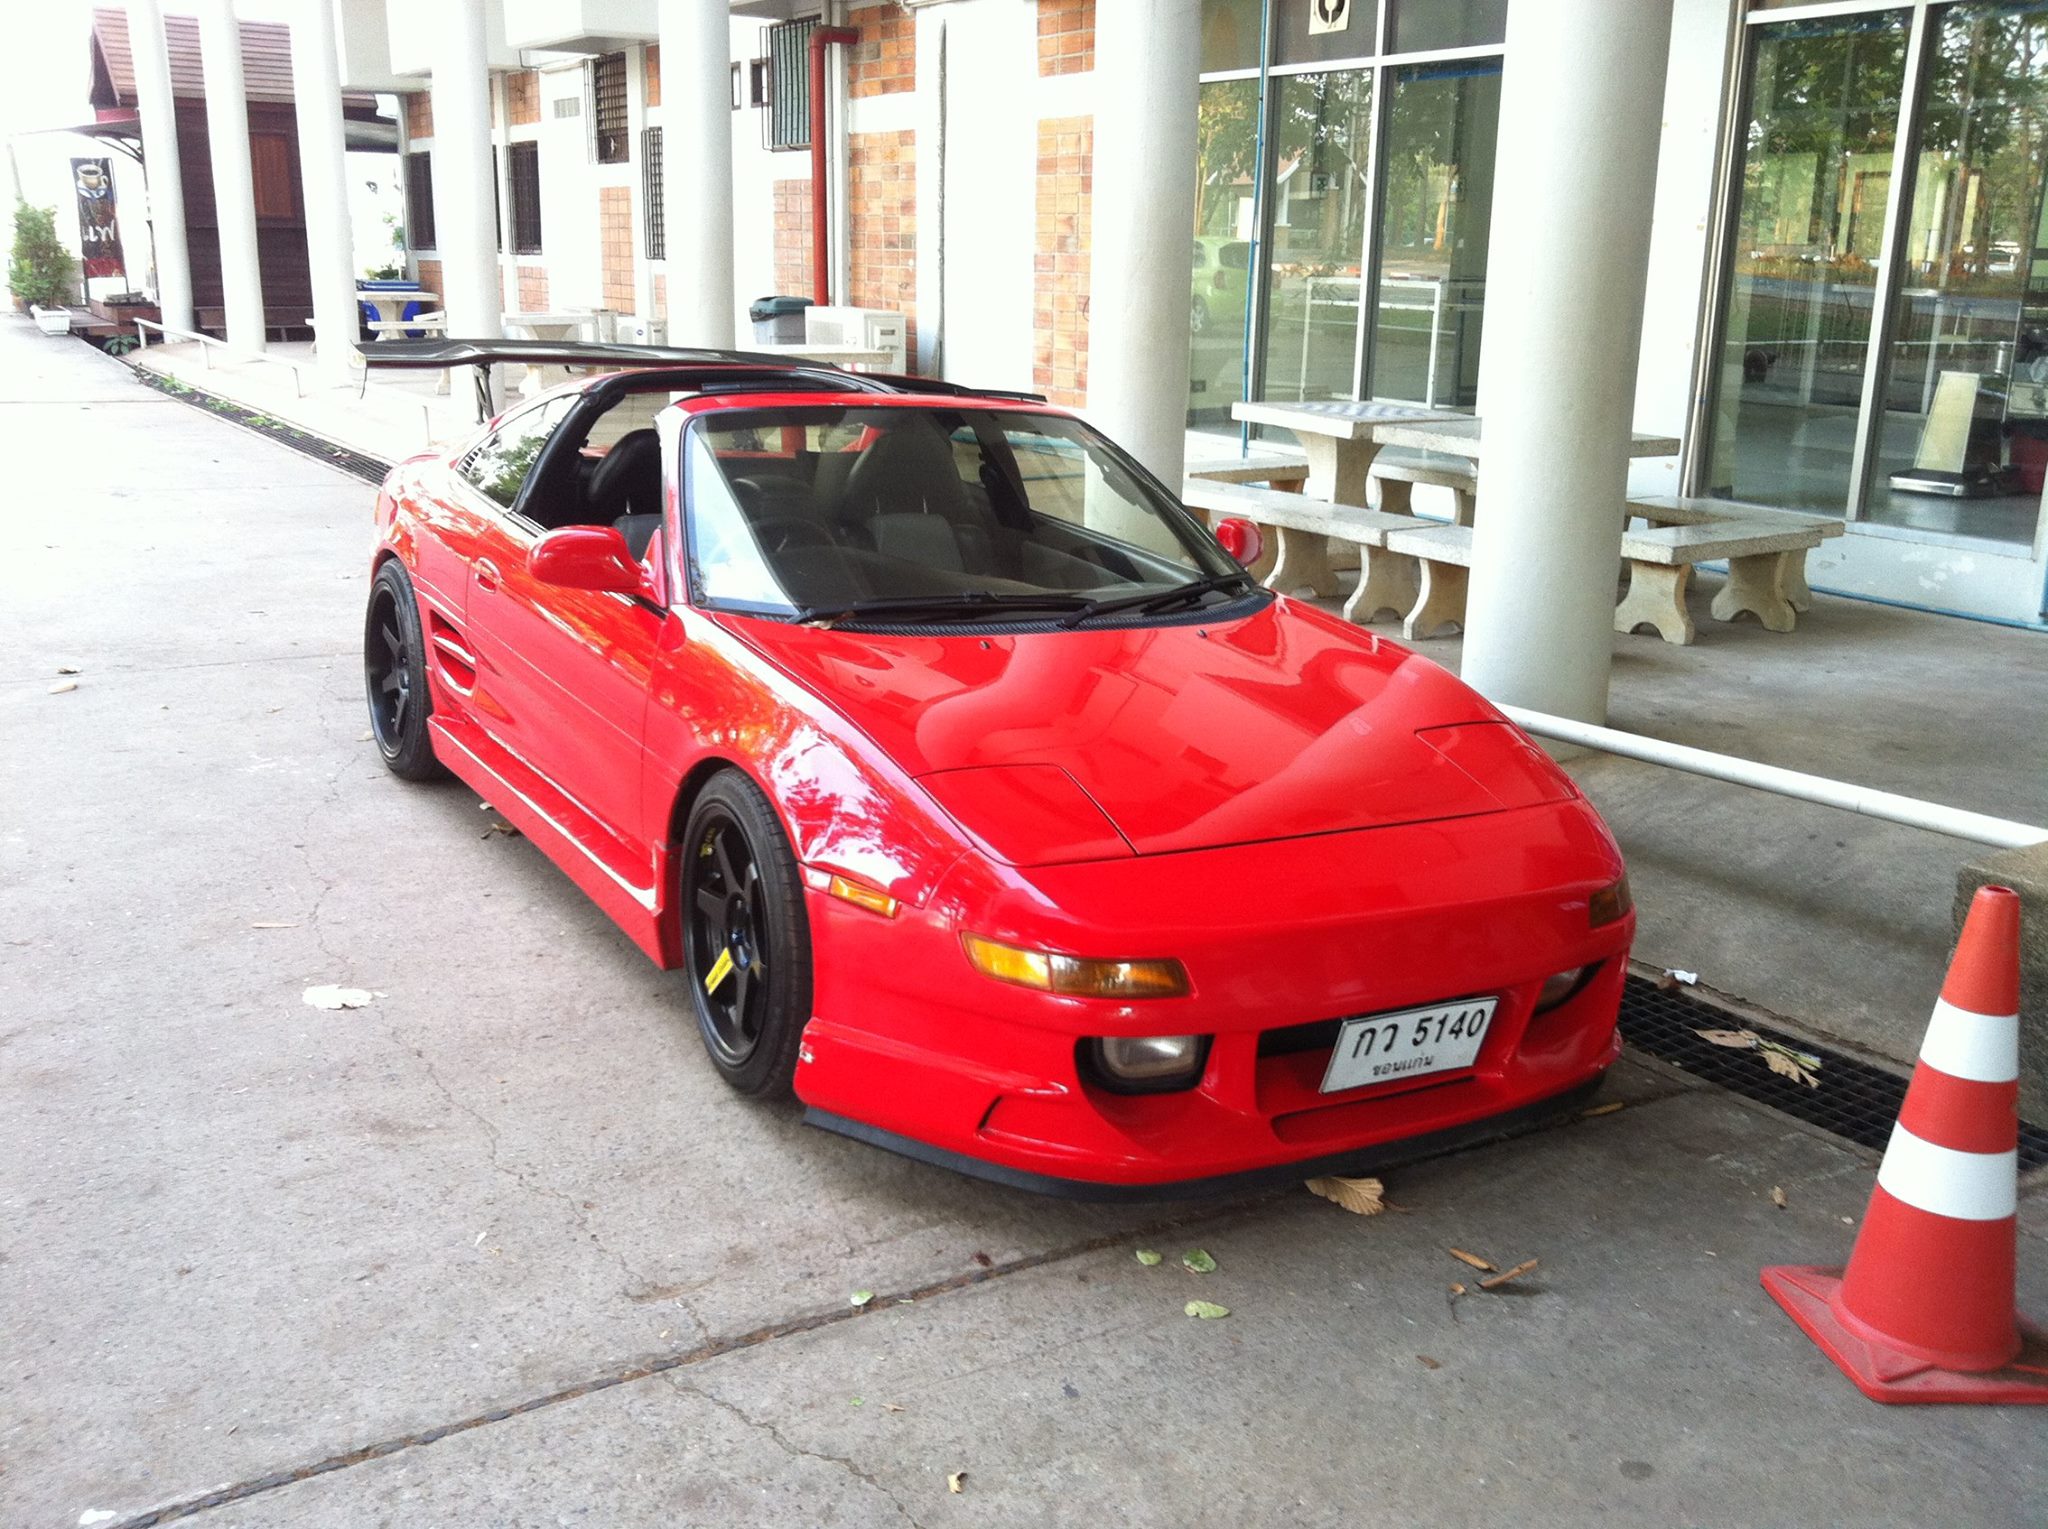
<point>440,354</point>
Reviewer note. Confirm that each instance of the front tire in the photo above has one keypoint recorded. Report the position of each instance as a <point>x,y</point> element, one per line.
<point>395,677</point>
<point>746,941</point>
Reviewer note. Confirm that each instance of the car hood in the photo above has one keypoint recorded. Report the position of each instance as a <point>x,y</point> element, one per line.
<point>1052,747</point>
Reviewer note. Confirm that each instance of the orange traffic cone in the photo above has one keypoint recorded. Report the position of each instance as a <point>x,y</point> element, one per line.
<point>1924,1312</point>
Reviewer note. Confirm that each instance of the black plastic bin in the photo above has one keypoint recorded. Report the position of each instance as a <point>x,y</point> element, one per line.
<point>778,320</point>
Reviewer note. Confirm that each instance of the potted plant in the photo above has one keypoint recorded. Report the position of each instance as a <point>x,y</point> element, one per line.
<point>41,271</point>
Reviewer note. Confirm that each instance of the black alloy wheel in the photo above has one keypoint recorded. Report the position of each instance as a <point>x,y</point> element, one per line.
<point>395,677</point>
<point>746,941</point>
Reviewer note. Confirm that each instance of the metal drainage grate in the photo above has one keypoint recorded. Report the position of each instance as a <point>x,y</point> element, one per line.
<point>354,463</point>
<point>1854,1099</point>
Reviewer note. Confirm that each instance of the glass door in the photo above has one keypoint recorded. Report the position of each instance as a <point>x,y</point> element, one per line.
<point>1321,190</point>
<point>1808,227</point>
<point>1442,124</point>
<point>1226,228</point>
<point>1962,433</point>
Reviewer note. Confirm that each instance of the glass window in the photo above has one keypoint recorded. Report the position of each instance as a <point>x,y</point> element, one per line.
<point>1416,26</point>
<point>525,160</point>
<point>497,466</point>
<point>1322,128</point>
<point>1226,220</point>
<point>1962,438</point>
<point>1442,124</point>
<point>969,513</point>
<point>1808,228</point>
<point>1230,35</point>
<point>1323,31</point>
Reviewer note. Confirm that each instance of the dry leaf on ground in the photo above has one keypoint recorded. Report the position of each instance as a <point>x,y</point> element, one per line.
<point>270,925</point>
<point>953,1480</point>
<point>1777,1197</point>
<point>1471,1258</point>
<point>1603,1109</point>
<point>1799,1066</point>
<point>1495,1281</point>
<point>1457,1290</point>
<point>1428,1363</point>
<point>63,685</point>
<point>67,668</point>
<point>1362,1197</point>
<point>1736,1040</point>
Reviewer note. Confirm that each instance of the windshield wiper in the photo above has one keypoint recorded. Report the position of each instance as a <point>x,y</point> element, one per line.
<point>968,602</point>
<point>1156,599</point>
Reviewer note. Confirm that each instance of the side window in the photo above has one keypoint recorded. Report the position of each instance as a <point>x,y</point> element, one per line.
<point>497,466</point>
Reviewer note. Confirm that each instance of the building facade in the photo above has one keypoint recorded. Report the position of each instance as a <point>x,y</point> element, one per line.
<point>1847,308</point>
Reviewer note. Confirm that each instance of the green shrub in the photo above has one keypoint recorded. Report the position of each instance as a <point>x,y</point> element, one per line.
<point>41,271</point>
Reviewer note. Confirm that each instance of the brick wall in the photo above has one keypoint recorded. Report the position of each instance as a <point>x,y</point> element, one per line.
<point>419,115</point>
<point>661,294</point>
<point>882,227</point>
<point>1059,339</point>
<point>533,289</point>
<point>430,278</point>
<point>884,61</point>
<point>793,236</point>
<point>653,74</point>
<point>615,240</point>
<point>1066,36</point>
<point>522,97</point>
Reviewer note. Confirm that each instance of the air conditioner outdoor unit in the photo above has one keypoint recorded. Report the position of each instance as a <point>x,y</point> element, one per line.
<point>859,329</point>
<point>633,329</point>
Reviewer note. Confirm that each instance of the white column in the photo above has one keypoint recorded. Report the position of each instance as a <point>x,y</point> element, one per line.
<point>234,183</point>
<point>696,168</point>
<point>463,222</point>
<point>323,178</point>
<point>1143,216</point>
<point>1581,104</point>
<point>160,158</point>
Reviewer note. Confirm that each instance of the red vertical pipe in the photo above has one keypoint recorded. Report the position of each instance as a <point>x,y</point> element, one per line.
<point>821,271</point>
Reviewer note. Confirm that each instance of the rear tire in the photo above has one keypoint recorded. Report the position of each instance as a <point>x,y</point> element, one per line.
<point>395,677</point>
<point>741,907</point>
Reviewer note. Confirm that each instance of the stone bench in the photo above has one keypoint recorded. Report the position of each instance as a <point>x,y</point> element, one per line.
<point>1292,470</point>
<point>1397,477</point>
<point>1673,510</point>
<point>1444,554</point>
<point>1660,564</point>
<point>1303,530</point>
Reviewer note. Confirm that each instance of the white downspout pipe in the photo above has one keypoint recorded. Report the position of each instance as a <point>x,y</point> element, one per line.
<point>1909,811</point>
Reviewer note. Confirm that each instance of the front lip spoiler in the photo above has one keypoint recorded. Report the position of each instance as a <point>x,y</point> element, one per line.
<point>1515,1122</point>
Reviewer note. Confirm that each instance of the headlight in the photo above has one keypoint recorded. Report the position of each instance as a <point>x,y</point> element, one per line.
<point>1075,976</point>
<point>1563,987</point>
<point>1144,1064</point>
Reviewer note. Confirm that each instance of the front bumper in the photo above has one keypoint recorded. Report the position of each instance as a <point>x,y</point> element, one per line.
<point>909,1047</point>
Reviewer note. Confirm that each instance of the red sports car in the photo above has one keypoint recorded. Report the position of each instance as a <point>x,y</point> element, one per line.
<point>985,800</point>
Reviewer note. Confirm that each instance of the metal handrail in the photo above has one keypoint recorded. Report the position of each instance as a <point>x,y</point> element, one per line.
<point>1865,801</point>
<point>208,344</point>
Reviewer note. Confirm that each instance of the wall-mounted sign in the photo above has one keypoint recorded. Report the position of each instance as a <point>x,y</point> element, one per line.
<point>1328,16</point>
<point>99,239</point>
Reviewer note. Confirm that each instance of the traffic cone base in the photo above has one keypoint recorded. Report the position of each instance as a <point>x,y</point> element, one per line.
<point>1884,1373</point>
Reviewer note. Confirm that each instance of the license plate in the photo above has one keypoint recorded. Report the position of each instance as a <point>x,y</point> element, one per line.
<point>1379,1048</point>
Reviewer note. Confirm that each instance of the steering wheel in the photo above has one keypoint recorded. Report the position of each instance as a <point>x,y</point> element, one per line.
<point>778,533</point>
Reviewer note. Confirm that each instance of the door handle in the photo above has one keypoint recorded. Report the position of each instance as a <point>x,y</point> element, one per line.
<point>487,574</point>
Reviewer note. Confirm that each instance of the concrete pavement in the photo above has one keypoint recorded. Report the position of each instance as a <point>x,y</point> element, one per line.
<point>505,1232</point>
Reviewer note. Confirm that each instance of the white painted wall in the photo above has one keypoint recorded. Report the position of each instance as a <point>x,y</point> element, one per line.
<point>568,192</point>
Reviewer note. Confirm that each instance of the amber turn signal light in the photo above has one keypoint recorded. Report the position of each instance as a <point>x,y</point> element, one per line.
<point>1610,904</point>
<point>863,897</point>
<point>1074,976</point>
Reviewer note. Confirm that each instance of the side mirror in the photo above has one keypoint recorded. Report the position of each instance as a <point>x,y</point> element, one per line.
<point>1240,538</point>
<point>587,557</point>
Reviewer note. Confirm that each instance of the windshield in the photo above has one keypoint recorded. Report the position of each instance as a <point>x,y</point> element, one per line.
<point>921,514</point>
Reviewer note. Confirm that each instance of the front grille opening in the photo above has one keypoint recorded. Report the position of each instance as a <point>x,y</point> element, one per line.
<point>1854,1100</point>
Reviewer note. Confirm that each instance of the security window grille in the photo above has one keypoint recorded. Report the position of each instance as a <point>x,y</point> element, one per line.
<point>650,193</point>
<point>525,164</point>
<point>498,198</point>
<point>787,122</point>
<point>608,130</point>
<point>419,201</point>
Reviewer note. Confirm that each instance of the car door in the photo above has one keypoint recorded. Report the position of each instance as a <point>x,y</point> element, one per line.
<point>562,674</point>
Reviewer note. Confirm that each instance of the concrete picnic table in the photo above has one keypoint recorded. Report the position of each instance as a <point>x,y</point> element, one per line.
<point>546,326</point>
<point>1459,436</point>
<point>1340,437</point>
<point>390,306</point>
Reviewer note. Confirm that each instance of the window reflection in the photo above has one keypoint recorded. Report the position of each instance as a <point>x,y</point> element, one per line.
<point>1221,253</point>
<point>1322,131</point>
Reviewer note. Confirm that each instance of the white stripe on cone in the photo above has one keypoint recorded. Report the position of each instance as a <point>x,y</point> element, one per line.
<point>1984,1048</point>
<point>1968,1186</point>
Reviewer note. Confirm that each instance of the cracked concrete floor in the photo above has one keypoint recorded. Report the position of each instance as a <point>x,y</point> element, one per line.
<point>500,1249</point>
